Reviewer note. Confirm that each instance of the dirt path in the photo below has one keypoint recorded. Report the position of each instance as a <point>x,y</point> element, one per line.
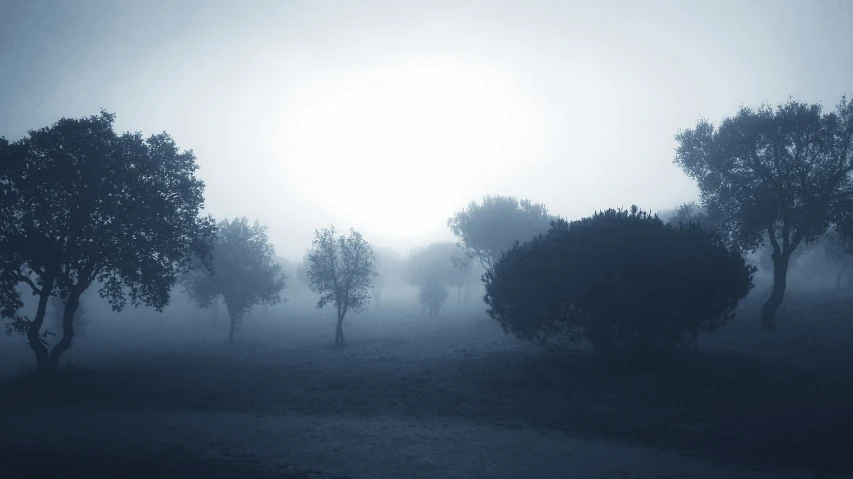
<point>301,446</point>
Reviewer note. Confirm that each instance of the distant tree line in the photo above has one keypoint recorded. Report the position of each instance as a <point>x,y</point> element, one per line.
<point>83,208</point>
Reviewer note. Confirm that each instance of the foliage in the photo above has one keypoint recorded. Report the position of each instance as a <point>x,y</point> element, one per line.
<point>780,175</point>
<point>341,270</point>
<point>617,279</point>
<point>485,230</point>
<point>244,271</point>
<point>81,203</point>
<point>689,213</point>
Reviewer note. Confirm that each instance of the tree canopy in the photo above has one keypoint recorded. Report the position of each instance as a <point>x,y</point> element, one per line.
<point>617,279</point>
<point>245,271</point>
<point>780,175</point>
<point>81,203</point>
<point>487,229</point>
<point>342,271</point>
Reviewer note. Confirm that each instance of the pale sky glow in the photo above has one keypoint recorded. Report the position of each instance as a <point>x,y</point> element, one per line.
<point>390,116</point>
<point>408,132</point>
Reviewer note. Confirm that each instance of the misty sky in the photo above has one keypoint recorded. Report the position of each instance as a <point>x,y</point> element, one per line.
<point>391,116</point>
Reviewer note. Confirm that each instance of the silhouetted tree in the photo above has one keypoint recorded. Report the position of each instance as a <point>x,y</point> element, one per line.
<point>783,175</point>
<point>431,269</point>
<point>81,203</point>
<point>341,270</point>
<point>244,273</point>
<point>58,308</point>
<point>485,230</point>
<point>618,279</point>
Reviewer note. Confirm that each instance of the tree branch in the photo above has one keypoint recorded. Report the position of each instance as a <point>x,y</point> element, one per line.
<point>26,279</point>
<point>773,241</point>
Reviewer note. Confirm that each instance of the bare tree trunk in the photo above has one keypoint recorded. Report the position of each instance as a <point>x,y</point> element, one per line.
<point>234,318</point>
<point>339,330</point>
<point>467,292</point>
<point>780,283</point>
<point>64,344</point>
<point>339,335</point>
<point>33,338</point>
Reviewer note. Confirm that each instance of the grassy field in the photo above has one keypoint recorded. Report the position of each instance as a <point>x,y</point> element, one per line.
<point>768,402</point>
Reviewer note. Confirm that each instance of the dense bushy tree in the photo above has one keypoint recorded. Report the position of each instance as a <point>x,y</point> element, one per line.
<point>244,272</point>
<point>761,255</point>
<point>782,176</point>
<point>80,203</point>
<point>485,230</point>
<point>341,270</point>
<point>617,279</point>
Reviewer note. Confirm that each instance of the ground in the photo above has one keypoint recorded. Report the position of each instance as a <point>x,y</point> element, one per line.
<point>444,397</point>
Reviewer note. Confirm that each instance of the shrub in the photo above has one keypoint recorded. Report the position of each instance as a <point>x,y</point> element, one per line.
<point>618,280</point>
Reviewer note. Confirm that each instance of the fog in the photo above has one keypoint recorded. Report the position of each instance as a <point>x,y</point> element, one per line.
<point>395,120</point>
<point>312,113</point>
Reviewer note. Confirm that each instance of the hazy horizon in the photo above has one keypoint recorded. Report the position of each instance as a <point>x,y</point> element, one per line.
<point>390,117</point>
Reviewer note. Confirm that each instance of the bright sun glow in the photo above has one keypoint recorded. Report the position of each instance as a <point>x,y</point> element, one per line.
<point>385,143</point>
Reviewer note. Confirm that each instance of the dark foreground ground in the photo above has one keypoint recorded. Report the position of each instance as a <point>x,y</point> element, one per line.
<point>450,397</point>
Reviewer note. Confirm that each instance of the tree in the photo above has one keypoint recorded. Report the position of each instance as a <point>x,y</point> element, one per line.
<point>58,313</point>
<point>691,212</point>
<point>462,277</point>
<point>341,270</point>
<point>432,295</point>
<point>81,204</point>
<point>619,279</point>
<point>244,272</point>
<point>485,230</point>
<point>780,175</point>
<point>432,269</point>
